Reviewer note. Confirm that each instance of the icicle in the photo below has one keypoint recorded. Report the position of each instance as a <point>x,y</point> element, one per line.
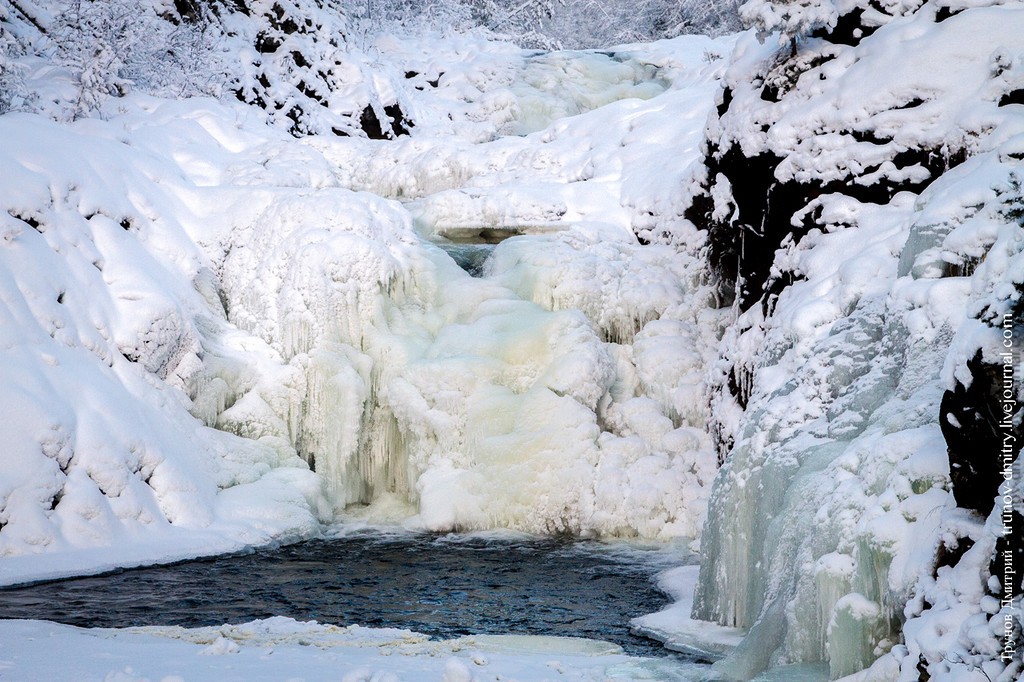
<point>857,625</point>
<point>832,580</point>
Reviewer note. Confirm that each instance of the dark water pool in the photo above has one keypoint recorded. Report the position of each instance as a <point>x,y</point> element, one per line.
<point>443,586</point>
<point>470,257</point>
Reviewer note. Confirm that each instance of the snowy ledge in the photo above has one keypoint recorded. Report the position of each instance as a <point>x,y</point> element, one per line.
<point>674,627</point>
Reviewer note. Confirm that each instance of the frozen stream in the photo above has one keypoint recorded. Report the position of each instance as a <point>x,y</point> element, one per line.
<point>443,586</point>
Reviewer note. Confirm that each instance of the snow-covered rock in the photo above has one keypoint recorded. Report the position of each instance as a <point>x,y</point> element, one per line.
<point>853,188</point>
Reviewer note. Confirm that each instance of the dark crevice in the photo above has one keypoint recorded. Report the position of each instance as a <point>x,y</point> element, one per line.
<point>849,29</point>
<point>1012,97</point>
<point>370,124</point>
<point>950,555</point>
<point>188,10</point>
<point>399,124</point>
<point>971,422</point>
<point>726,101</point>
<point>30,221</point>
<point>266,44</point>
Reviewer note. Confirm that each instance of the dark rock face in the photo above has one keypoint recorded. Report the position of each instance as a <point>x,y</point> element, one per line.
<point>983,425</point>
<point>1012,97</point>
<point>769,209</point>
<point>741,253</point>
<point>849,29</point>
<point>970,422</point>
<point>188,10</point>
<point>395,123</point>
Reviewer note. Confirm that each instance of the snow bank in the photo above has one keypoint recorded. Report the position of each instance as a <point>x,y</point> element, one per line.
<point>102,332</point>
<point>277,647</point>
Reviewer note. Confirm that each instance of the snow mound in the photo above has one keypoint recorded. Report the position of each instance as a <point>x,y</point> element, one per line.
<point>102,336</point>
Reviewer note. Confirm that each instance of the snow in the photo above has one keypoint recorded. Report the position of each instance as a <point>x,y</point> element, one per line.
<point>825,521</point>
<point>100,450</point>
<point>674,626</point>
<point>282,648</point>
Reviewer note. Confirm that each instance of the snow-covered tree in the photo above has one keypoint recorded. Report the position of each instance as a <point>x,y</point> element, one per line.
<point>525,18</point>
<point>12,85</point>
<point>596,23</point>
<point>95,39</point>
<point>114,46</point>
<point>790,18</point>
<point>553,24</point>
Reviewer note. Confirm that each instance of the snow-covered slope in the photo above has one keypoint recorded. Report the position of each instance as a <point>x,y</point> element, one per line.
<point>108,312</point>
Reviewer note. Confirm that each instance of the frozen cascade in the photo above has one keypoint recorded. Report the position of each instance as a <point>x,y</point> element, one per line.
<point>415,389</point>
<point>560,391</point>
<point>836,494</point>
<point>812,579</point>
<point>302,324</point>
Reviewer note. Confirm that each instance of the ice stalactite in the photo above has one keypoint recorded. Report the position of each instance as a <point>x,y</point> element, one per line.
<point>331,414</point>
<point>380,464</point>
<point>837,523</point>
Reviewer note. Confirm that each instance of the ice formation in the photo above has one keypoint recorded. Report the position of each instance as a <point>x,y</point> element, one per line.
<point>572,369</point>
